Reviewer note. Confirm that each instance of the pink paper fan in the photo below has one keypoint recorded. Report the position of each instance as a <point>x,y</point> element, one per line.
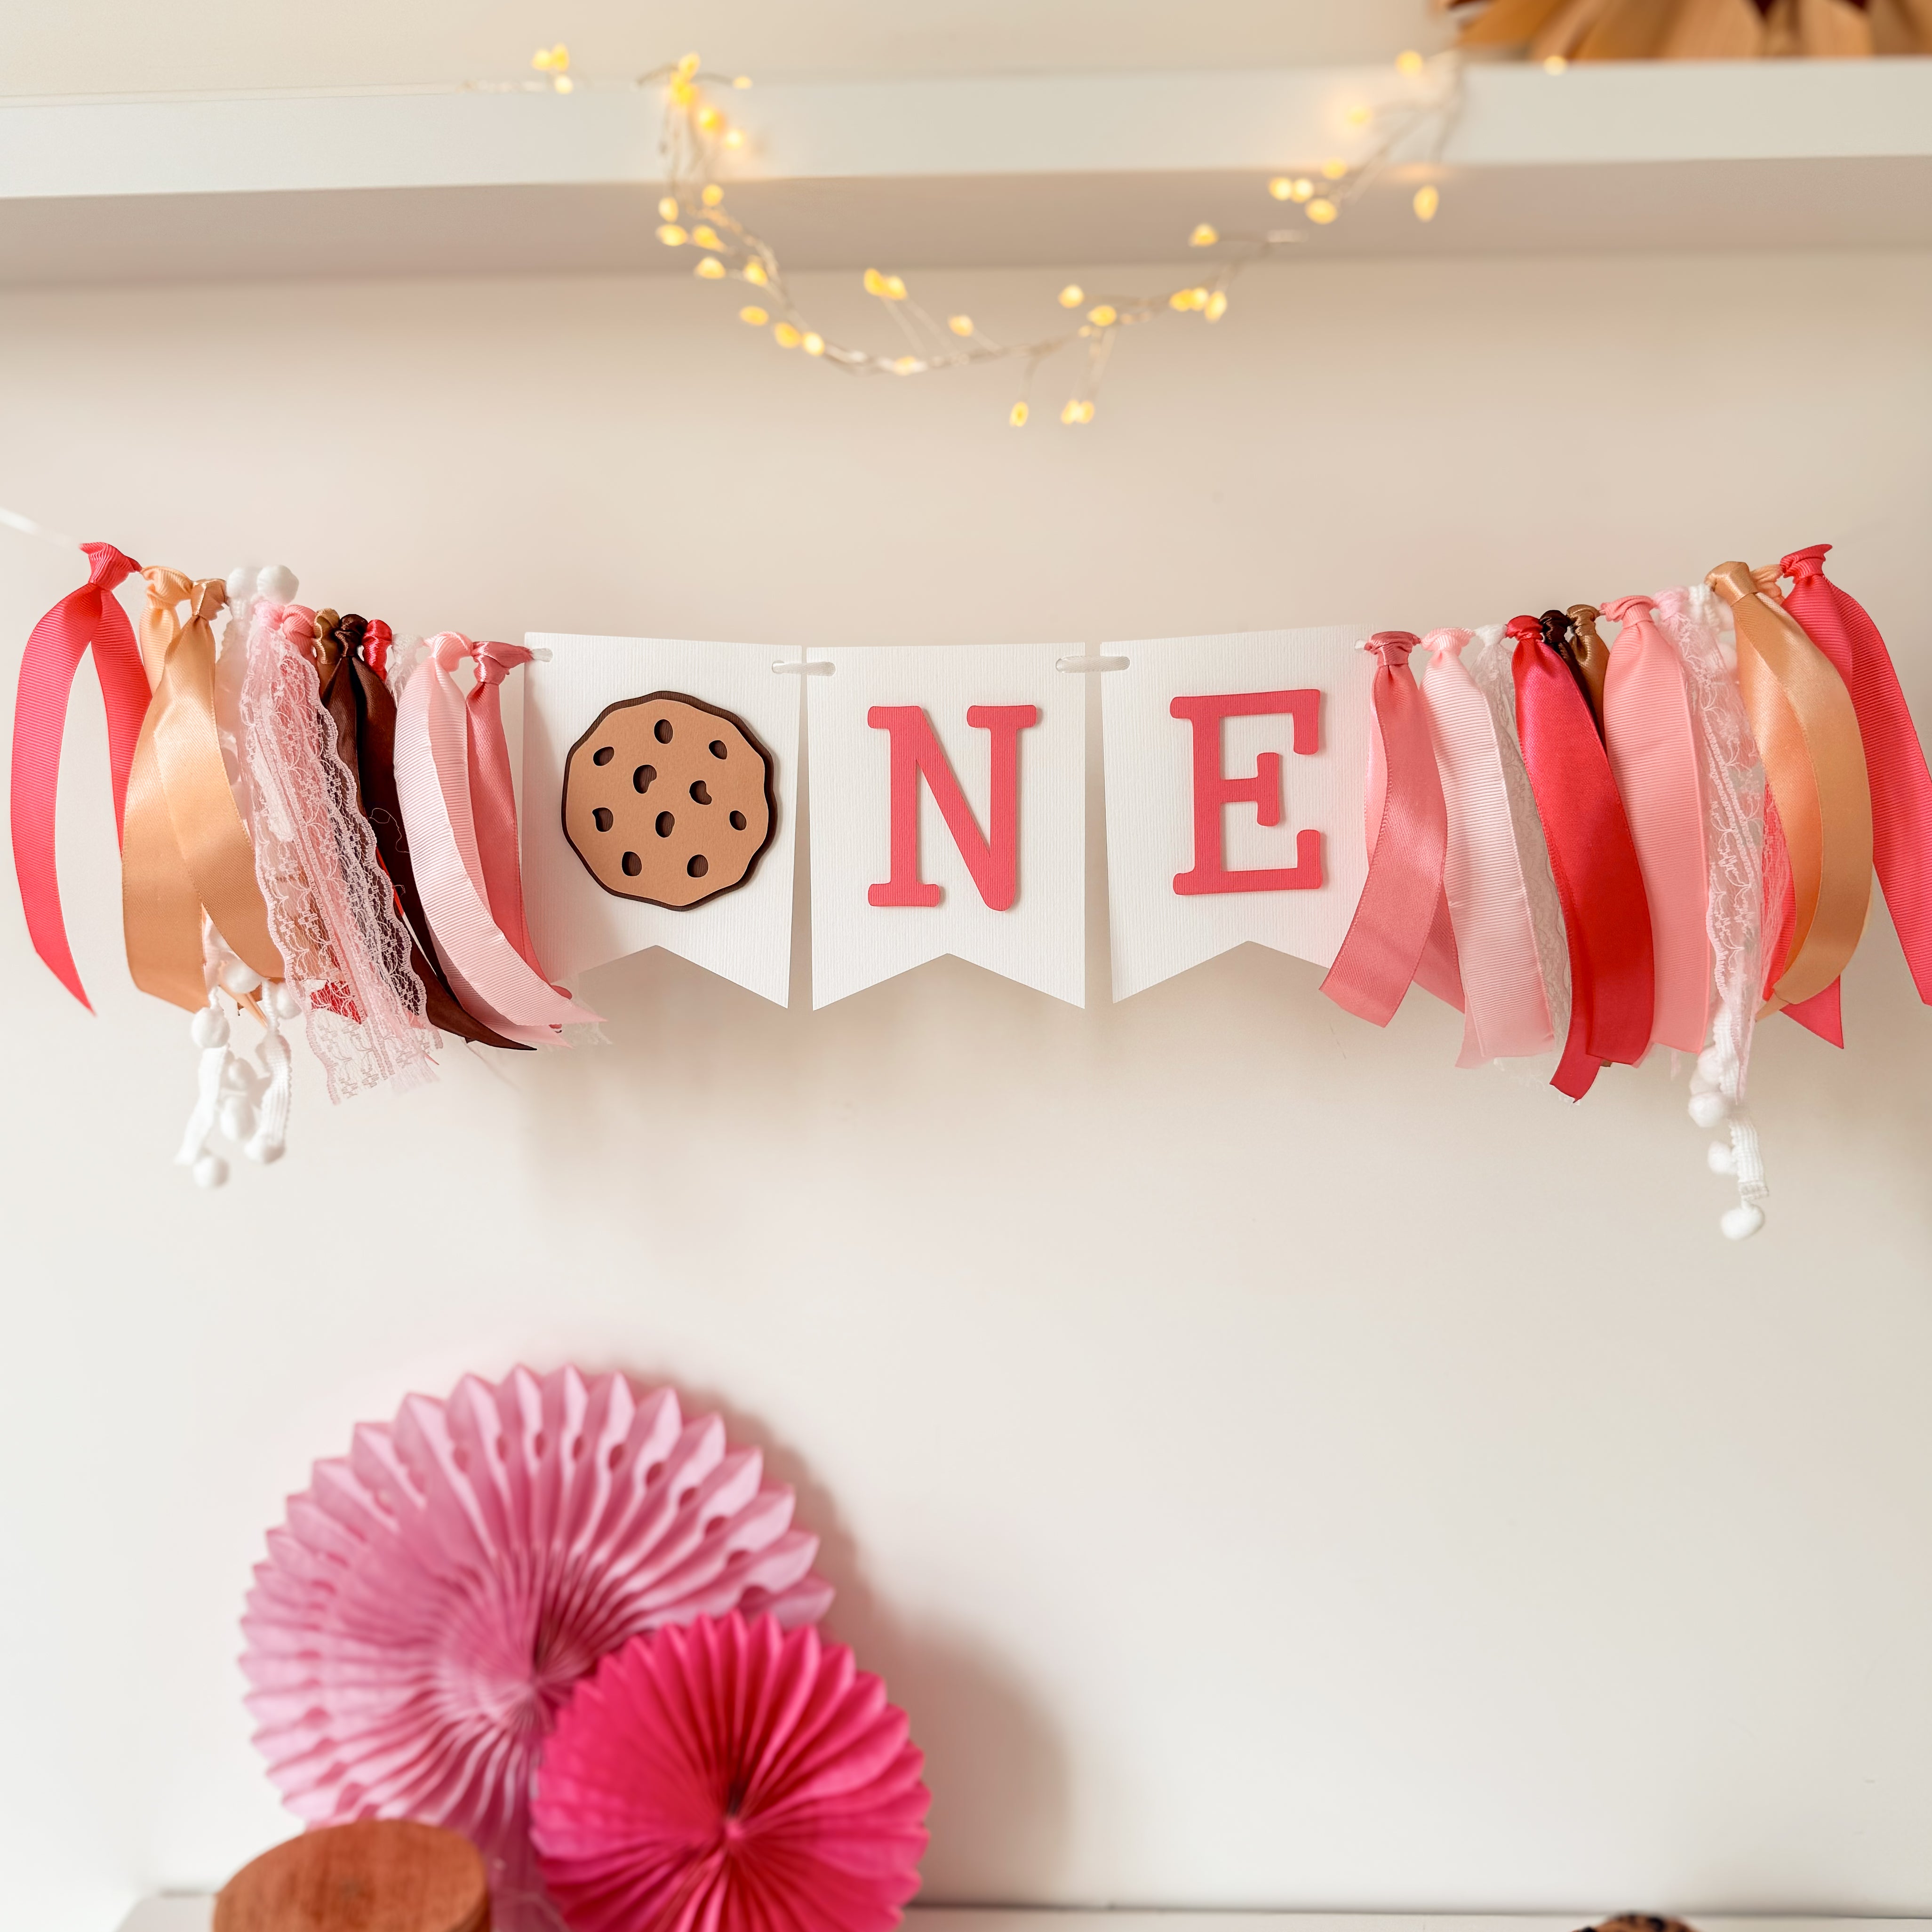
<point>728,1776</point>
<point>434,1596</point>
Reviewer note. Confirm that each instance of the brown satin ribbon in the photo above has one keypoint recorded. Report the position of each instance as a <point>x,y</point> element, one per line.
<point>1814,761</point>
<point>186,849</point>
<point>1591,654</point>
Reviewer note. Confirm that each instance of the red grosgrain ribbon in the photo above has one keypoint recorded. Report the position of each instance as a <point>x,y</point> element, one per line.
<point>1606,917</point>
<point>91,615</point>
<point>1397,911</point>
<point>1901,787</point>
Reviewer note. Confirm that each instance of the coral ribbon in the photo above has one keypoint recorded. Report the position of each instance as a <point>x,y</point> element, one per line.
<point>185,849</point>
<point>1397,913</point>
<point>1901,788</point>
<point>91,614</point>
<point>1612,973</point>
<point>1505,1011</point>
<point>1802,717</point>
<point>457,851</point>
<point>1651,738</point>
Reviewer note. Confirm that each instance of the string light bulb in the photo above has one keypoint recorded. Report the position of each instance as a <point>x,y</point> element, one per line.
<point>1073,295</point>
<point>673,236</point>
<point>1103,317</point>
<point>705,236</point>
<point>960,325</point>
<point>754,273</point>
<point>1301,188</point>
<point>907,365</point>
<point>887,288</point>
<point>1358,116</point>
<point>1016,416</point>
<point>667,209</point>
<point>1204,236</point>
<point>1555,63</point>
<point>713,195</point>
<point>554,61</point>
<point>1322,211</point>
<point>814,342</point>
<point>786,336</point>
<point>1281,187</point>
<point>710,269</point>
<point>710,120</point>
<point>1334,168</point>
<point>1408,64</point>
<point>741,80</point>
<point>734,137</point>
<point>1217,305</point>
<point>753,315</point>
<point>1070,414</point>
<point>1428,199</point>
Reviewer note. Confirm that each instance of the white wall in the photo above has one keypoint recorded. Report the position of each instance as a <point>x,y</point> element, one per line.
<point>1273,1467</point>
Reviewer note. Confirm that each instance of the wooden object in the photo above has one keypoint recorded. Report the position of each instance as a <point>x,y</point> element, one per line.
<point>379,1875</point>
<point>668,799</point>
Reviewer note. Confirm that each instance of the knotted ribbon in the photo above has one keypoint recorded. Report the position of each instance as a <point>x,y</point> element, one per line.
<point>1901,787</point>
<point>1505,1012</point>
<point>1403,909</point>
<point>453,783</point>
<point>1612,972</point>
<point>184,849</point>
<point>1652,739</point>
<point>1802,717</point>
<point>91,614</point>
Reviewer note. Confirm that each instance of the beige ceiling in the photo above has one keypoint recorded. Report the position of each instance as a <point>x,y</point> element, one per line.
<point>86,46</point>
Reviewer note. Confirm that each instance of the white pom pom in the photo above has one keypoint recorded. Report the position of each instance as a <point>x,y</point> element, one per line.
<point>283,1001</point>
<point>240,978</point>
<point>1708,1110</point>
<point>238,1117</point>
<point>1742,1222</point>
<point>240,583</point>
<point>1710,1064</point>
<point>267,1156</point>
<point>1723,1157</point>
<point>211,1170</point>
<point>236,1079</point>
<point>209,1028</point>
<point>277,583</point>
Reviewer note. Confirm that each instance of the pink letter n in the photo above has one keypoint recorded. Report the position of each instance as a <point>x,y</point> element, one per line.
<point>993,860</point>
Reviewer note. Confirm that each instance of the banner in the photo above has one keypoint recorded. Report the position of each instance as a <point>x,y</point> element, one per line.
<point>657,860</point>
<point>948,815</point>
<point>1236,772</point>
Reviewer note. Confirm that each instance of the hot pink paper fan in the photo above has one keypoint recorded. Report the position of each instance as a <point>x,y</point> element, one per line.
<point>434,1596</point>
<point>729,1776</point>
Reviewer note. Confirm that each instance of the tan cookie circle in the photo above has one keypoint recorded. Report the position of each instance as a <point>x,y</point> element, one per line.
<point>668,799</point>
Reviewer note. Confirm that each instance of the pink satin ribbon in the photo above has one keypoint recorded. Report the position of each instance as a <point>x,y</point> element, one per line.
<point>459,809</point>
<point>1612,974</point>
<point>1901,787</point>
<point>90,615</point>
<point>1652,739</point>
<point>1505,1012</point>
<point>1402,913</point>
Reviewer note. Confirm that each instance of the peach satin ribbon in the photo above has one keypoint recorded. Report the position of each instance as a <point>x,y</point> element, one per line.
<point>1802,717</point>
<point>185,848</point>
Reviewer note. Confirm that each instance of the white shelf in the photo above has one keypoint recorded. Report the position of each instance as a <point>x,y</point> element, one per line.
<point>964,171</point>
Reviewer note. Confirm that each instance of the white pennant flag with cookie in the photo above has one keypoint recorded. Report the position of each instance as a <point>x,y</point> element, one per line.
<point>948,798</point>
<point>659,782</point>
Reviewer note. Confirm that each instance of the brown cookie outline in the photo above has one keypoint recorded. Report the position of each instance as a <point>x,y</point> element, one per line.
<point>750,738</point>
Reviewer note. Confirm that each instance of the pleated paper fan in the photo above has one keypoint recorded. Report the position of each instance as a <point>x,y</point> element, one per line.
<point>730,1776</point>
<point>433,1597</point>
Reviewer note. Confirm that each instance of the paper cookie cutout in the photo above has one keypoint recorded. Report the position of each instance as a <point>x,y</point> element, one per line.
<point>668,799</point>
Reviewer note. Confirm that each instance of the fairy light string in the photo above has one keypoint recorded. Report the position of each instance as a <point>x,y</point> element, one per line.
<point>697,133</point>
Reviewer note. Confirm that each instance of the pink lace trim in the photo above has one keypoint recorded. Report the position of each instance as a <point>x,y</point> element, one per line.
<point>331,909</point>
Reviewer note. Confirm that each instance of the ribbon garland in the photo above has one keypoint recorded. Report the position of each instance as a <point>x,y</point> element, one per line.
<point>1802,717</point>
<point>1505,1012</point>
<point>90,615</point>
<point>1901,787</point>
<point>186,851</point>
<point>493,977</point>
<point>1400,909</point>
<point>1612,970</point>
<point>1652,746</point>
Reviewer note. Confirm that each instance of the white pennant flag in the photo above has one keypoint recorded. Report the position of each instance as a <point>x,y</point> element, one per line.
<point>948,815</point>
<point>657,807</point>
<point>1236,769</point>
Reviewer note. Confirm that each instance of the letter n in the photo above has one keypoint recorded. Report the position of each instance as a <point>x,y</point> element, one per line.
<point>993,860</point>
